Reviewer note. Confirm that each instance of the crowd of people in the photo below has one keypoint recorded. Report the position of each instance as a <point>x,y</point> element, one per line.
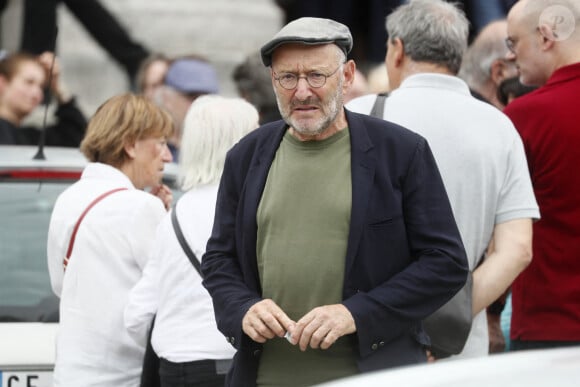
<point>323,216</point>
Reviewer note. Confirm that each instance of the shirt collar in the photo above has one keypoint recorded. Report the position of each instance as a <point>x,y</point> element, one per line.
<point>106,172</point>
<point>436,81</point>
<point>564,74</point>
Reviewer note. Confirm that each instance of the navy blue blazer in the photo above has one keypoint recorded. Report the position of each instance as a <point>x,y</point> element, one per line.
<point>404,257</point>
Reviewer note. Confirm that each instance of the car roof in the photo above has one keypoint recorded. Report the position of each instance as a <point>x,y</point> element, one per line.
<point>18,161</point>
<point>55,157</point>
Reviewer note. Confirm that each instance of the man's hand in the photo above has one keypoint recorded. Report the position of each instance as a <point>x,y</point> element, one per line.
<point>496,338</point>
<point>46,59</point>
<point>430,357</point>
<point>265,320</point>
<point>322,326</point>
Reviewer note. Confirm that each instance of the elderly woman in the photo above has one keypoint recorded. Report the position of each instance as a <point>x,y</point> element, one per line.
<point>22,79</point>
<point>185,334</point>
<point>100,237</point>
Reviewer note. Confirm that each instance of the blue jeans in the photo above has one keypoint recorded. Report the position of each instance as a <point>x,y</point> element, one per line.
<point>202,373</point>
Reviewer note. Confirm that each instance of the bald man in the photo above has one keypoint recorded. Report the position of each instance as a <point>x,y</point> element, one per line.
<point>544,42</point>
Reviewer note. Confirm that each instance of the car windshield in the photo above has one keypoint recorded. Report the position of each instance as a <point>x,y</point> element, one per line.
<point>25,291</point>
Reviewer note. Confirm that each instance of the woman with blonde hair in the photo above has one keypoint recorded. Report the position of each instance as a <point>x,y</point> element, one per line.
<point>185,336</point>
<point>99,240</point>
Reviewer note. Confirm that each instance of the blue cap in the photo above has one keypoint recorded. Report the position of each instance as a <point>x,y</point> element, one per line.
<point>190,76</point>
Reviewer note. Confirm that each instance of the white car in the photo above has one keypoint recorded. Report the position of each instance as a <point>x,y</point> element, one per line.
<point>28,307</point>
<point>538,368</point>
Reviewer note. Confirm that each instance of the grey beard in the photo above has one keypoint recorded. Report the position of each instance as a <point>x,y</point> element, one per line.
<point>335,104</point>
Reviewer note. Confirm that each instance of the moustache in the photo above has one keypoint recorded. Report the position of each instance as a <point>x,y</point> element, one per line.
<point>307,102</point>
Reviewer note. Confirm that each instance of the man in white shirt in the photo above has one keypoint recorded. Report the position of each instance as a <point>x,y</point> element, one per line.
<point>478,151</point>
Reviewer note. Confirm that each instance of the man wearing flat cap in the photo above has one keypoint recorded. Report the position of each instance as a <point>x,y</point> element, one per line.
<point>333,235</point>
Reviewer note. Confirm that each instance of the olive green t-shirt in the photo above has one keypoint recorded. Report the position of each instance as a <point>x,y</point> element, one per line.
<point>303,223</point>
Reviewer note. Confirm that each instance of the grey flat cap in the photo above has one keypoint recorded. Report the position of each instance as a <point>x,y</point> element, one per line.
<point>309,30</point>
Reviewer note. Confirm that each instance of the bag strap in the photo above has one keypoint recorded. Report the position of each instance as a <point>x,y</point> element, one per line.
<point>379,106</point>
<point>78,223</point>
<point>184,245</point>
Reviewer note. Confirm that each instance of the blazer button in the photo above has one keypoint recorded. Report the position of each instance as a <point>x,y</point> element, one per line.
<point>374,347</point>
<point>257,352</point>
<point>381,343</point>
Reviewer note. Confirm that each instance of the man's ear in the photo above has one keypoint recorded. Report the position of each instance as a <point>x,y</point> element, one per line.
<point>398,48</point>
<point>272,77</point>
<point>496,71</point>
<point>349,73</point>
<point>549,36</point>
<point>500,70</point>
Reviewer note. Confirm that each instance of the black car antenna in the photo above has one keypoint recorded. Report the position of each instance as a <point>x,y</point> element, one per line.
<point>47,99</point>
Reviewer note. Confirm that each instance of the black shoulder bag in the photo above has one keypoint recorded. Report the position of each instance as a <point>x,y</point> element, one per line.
<point>449,326</point>
<point>184,245</point>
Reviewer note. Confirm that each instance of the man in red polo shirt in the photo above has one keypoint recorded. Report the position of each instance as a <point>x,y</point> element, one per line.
<point>544,41</point>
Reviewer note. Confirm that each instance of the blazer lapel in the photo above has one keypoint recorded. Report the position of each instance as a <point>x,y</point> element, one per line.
<point>253,189</point>
<point>363,165</point>
<point>258,170</point>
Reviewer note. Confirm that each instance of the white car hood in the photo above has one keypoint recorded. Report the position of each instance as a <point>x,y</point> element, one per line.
<point>27,344</point>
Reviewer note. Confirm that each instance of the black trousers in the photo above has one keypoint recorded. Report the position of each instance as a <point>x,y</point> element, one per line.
<point>201,373</point>
<point>150,374</point>
<point>39,26</point>
<point>519,345</point>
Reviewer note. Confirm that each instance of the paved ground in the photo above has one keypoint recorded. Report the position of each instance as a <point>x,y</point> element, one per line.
<point>224,31</point>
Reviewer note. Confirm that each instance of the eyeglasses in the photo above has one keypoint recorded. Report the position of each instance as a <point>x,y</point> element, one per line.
<point>511,44</point>
<point>315,79</point>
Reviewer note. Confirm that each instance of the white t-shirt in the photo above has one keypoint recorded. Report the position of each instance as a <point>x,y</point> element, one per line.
<point>185,328</point>
<point>480,157</point>
<point>111,249</point>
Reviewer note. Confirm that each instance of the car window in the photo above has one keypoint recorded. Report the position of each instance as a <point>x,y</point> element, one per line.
<point>25,291</point>
<point>25,210</point>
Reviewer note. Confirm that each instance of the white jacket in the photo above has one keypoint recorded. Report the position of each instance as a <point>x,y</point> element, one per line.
<point>185,327</point>
<point>111,249</point>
